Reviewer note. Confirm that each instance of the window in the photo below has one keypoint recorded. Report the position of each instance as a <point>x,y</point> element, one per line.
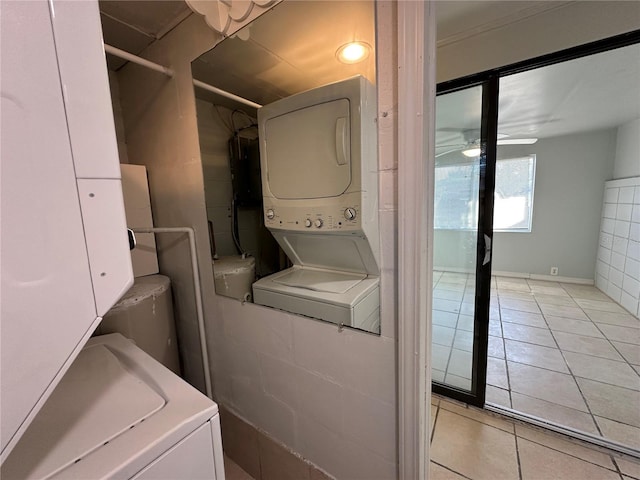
<point>513,201</point>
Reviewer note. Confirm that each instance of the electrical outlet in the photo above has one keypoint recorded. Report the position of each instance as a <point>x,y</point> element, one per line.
<point>554,270</point>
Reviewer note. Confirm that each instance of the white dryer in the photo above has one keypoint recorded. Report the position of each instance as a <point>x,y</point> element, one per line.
<point>118,413</point>
<point>320,190</point>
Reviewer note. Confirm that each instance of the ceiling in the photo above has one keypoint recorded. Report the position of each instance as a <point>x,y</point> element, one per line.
<point>587,94</point>
<point>461,19</point>
<point>292,48</point>
<point>134,25</point>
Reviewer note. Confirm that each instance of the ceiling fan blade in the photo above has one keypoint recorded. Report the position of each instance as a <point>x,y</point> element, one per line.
<point>517,141</point>
<point>448,151</point>
<point>450,129</point>
<point>448,145</point>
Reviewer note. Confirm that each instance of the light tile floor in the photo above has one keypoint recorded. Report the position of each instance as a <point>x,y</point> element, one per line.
<point>562,352</point>
<point>469,443</point>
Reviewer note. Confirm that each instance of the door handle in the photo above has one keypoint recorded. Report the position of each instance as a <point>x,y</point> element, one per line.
<point>132,239</point>
<point>487,249</point>
<point>342,138</point>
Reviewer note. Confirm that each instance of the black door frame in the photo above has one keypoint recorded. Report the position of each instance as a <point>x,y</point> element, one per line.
<point>490,80</point>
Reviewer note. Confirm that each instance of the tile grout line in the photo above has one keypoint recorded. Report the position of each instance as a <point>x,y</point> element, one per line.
<point>435,422</point>
<point>564,358</point>
<point>451,470</point>
<point>611,343</point>
<point>517,453</point>
<point>537,303</point>
<point>584,398</point>
<point>604,383</point>
<point>615,464</point>
<point>614,469</point>
<point>504,348</point>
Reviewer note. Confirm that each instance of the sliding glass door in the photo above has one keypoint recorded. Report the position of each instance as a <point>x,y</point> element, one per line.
<point>463,215</point>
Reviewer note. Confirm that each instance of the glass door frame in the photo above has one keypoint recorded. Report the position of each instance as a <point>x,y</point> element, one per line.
<point>487,163</point>
<point>490,80</point>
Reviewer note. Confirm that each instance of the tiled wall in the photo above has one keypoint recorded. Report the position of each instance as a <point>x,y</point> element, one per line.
<point>618,267</point>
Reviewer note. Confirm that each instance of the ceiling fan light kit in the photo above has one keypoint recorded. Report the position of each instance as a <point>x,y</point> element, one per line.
<point>471,152</point>
<point>471,148</point>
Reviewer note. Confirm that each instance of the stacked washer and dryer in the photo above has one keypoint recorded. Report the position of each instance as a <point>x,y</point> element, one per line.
<point>75,406</point>
<point>320,192</point>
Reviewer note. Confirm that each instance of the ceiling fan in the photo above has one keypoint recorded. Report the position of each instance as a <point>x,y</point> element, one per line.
<point>471,145</point>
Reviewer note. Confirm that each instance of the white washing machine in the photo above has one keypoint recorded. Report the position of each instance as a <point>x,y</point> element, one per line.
<point>118,413</point>
<point>74,407</point>
<point>320,190</point>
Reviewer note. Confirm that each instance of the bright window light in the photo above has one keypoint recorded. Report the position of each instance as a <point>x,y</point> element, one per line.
<point>456,184</point>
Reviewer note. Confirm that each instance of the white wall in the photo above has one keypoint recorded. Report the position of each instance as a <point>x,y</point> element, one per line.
<point>573,24</point>
<point>569,184</point>
<point>627,162</point>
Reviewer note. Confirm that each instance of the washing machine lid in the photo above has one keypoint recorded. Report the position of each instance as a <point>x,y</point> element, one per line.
<point>320,280</point>
<point>345,253</point>
<point>96,400</point>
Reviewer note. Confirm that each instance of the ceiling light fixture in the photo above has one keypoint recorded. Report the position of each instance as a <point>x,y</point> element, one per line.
<point>471,152</point>
<point>353,52</point>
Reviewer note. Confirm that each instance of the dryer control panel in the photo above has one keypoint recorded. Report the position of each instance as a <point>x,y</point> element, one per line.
<point>344,217</point>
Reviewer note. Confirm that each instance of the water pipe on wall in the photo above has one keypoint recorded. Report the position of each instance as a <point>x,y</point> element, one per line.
<point>198,294</point>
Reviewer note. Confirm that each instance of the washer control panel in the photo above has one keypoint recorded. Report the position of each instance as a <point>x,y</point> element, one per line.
<point>339,217</point>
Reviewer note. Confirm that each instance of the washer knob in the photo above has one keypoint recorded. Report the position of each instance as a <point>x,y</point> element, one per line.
<point>318,223</point>
<point>350,213</point>
<point>271,214</point>
<point>307,223</point>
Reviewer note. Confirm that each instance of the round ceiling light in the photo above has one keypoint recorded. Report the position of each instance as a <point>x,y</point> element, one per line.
<point>353,52</point>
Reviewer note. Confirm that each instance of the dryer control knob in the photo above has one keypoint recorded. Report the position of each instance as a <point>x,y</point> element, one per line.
<point>271,214</point>
<point>307,223</point>
<point>350,213</point>
<point>318,223</point>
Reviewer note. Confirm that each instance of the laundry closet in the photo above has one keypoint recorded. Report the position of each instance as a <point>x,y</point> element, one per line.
<point>176,142</point>
<point>180,131</point>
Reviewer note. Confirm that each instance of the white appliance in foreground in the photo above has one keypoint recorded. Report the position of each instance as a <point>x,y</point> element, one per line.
<point>320,191</point>
<point>68,411</point>
<point>118,413</point>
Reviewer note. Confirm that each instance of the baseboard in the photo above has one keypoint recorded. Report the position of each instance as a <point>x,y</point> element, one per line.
<point>452,270</point>
<point>260,455</point>
<point>532,276</point>
<point>547,278</point>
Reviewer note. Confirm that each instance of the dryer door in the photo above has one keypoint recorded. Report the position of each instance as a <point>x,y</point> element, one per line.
<point>308,151</point>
